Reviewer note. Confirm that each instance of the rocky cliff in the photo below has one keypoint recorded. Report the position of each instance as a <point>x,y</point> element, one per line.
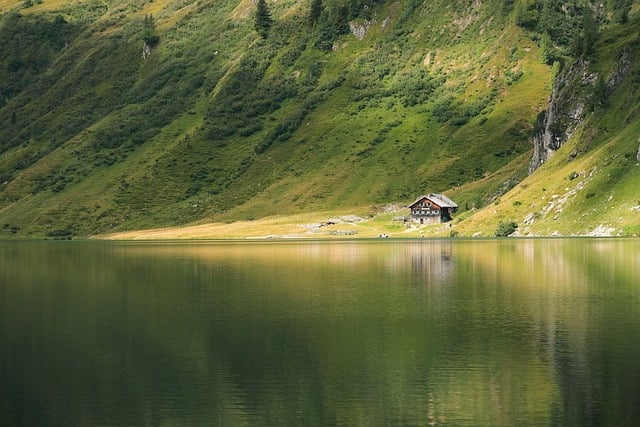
<point>577,91</point>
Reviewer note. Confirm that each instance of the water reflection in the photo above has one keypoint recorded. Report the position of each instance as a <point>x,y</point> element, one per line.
<point>526,332</point>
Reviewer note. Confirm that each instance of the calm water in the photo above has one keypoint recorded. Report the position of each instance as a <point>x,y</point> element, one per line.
<point>497,333</point>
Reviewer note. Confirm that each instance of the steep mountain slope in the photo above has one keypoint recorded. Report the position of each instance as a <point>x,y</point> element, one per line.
<point>586,150</point>
<point>119,115</point>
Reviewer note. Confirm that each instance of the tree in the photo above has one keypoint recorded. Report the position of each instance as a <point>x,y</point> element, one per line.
<point>149,35</point>
<point>590,30</point>
<point>315,11</point>
<point>14,119</point>
<point>547,53</point>
<point>334,21</point>
<point>263,19</point>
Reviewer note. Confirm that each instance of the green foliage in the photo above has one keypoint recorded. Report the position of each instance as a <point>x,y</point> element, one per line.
<point>60,234</point>
<point>246,98</point>
<point>416,86</point>
<point>410,8</point>
<point>585,42</point>
<point>149,34</point>
<point>555,70</point>
<point>548,54</point>
<point>263,20</point>
<point>221,124</point>
<point>508,5</point>
<point>29,3</point>
<point>599,96</point>
<point>443,109</point>
<point>561,27</point>
<point>13,229</point>
<point>621,9</point>
<point>29,46</point>
<point>333,22</point>
<point>315,11</point>
<point>506,229</point>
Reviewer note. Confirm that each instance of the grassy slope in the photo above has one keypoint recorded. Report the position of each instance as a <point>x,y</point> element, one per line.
<point>364,143</point>
<point>592,181</point>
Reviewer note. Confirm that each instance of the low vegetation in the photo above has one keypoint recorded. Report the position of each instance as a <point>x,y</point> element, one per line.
<point>164,113</point>
<point>506,229</point>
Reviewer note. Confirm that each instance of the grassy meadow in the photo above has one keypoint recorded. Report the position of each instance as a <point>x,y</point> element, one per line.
<point>371,105</point>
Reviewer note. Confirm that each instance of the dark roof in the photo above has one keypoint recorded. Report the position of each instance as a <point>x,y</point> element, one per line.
<point>439,199</point>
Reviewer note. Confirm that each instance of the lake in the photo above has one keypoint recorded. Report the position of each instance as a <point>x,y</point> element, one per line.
<point>382,332</point>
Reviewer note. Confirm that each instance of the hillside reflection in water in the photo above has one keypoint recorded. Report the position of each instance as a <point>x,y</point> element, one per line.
<point>418,332</point>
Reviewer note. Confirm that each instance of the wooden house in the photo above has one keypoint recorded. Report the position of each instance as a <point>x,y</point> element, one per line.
<point>432,209</point>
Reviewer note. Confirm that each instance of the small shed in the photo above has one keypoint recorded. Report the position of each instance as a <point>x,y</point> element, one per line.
<point>432,209</point>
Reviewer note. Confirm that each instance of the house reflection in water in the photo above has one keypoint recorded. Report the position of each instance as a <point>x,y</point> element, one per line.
<point>432,262</point>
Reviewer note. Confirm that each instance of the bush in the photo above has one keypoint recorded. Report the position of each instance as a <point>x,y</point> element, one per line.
<point>149,34</point>
<point>506,229</point>
<point>63,234</point>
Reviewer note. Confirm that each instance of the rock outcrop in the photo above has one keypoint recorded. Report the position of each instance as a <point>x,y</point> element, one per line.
<point>575,91</point>
<point>565,113</point>
<point>146,50</point>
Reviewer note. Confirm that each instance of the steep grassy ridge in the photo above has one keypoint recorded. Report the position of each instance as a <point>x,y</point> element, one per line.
<point>591,184</point>
<point>214,123</point>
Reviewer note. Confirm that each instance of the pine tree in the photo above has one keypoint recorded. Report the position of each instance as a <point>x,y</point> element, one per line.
<point>315,11</point>
<point>590,31</point>
<point>547,54</point>
<point>263,19</point>
<point>149,35</point>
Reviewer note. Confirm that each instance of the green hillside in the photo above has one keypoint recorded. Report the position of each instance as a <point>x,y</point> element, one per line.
<point>120,115</point>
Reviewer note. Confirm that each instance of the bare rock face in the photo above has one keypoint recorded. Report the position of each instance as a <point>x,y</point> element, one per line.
<point>565,113</point>
<point>573,91</point>
<point>360,30</point>
<point>146,50</point>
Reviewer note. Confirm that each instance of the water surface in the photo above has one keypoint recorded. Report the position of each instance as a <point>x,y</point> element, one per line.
<point>419,332</point>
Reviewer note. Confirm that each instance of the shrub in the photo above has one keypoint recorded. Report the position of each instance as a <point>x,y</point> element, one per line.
<point>149,34</point>
<point>506,228</point>
<point>63,234</point>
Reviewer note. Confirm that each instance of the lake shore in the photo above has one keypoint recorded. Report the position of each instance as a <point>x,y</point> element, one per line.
<point>341,225</point>
<point>325,225</point>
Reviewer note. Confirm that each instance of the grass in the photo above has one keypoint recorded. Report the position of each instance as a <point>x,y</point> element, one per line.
<point>603,194</point>
<point>112,143</point>
<point>317,225</point>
